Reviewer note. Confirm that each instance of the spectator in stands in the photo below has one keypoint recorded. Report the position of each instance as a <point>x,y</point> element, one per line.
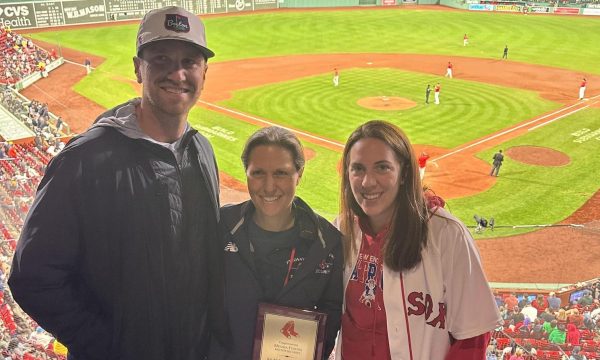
<point>547,315</point>
<point>518,355</point>
<point>553,301</point>
<point>576,354</point>
<point>537,330</point>
<point>573,334</point>
<point>511,301</point>
<point>12,151</point>
<point>561,315</point>
<point>549,327</point>
<point>498,298</point>
<point>524,301</point>
<point>575,318</point>
<point>529,312</point>
<point>586,299</point>
<point>119,255</point>
<point>59,124</point>
<point>528,348</point>
<point>559,335</point>
<point>540,304</point>
<point>491,355</point>
<point>503,312</point>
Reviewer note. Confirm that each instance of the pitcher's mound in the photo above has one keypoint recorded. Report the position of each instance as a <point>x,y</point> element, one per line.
<point>538,155</point>
<point>386,103</point>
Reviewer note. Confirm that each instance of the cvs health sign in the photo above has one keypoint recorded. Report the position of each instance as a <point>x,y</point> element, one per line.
<point>17,15</point>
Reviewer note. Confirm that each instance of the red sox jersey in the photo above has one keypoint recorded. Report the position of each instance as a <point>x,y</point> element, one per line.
<point>583,83</point>
<point>437,88</point>
<point>447,293</point>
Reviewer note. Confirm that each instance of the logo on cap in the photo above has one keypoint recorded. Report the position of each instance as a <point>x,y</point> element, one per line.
<point>177,23</point>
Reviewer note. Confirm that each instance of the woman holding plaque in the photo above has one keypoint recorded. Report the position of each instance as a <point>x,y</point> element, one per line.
<point>277,250</point>
<point>414,286</point>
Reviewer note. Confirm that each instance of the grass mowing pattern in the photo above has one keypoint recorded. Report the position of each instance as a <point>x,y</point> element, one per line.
<point>566,42</point>
<point>529,194</point>
<point>469,110</point>
<point>526,195</point>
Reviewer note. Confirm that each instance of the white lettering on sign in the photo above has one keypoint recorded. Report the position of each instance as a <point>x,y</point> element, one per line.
<point>74,13</point>
<point>14,11</point>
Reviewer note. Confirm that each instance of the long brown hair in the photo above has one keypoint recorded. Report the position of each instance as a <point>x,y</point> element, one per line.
<point>408,230</point>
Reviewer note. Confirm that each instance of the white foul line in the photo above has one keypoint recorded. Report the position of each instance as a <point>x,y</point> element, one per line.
<point>272,124</point>
<point>557,118</point>
<point>518,127</point>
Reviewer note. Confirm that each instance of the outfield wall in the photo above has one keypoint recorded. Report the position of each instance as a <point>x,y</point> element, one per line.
<point>41,13</point>
<point>341,3</point>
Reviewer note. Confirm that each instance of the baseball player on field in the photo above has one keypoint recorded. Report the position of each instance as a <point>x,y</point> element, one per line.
<point>582,89</point>
<point>465,40</point>
<point>414,287</point>
<point>422,164</point>
<point>336,77</point>
<point>436,93</point>
<point>449,70</point>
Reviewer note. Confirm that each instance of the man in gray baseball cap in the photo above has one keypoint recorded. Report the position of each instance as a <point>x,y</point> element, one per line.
<point>119,256</point>
<point>172,23</point>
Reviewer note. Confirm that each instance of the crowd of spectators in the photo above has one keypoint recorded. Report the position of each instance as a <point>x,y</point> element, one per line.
<point>21,169</point>
<point>48,131</point>
<point>542,327</point>
<point>20,57</point>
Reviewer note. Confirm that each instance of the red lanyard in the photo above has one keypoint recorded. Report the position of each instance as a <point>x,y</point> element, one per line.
<point>287,276</point>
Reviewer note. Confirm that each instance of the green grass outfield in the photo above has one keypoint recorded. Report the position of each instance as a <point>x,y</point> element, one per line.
<point>524,194</point>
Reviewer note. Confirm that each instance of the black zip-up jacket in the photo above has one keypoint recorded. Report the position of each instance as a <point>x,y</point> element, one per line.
<point>99,264</point>
<point>316,285</point>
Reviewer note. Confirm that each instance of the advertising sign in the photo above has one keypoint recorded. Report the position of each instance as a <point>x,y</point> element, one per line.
<point>17,15</point>
<point>239,5</point>
<point>591,11</point>
<point>481,7</point>
<point>266,4</point>
<point>388,2</point>
<point>539,9</point>
<point>508,8</point>
<point>84,11</point>
<point>566,11</point>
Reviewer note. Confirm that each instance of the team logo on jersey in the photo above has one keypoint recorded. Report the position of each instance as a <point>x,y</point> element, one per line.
<point>368,273</point>
<point>231,247</point>
<point>325,265</point>
<point>368,296</point>
<point>422,305</point>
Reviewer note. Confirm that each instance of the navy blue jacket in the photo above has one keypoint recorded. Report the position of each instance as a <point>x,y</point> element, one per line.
<point>98,264</point>
<point>316,285</point>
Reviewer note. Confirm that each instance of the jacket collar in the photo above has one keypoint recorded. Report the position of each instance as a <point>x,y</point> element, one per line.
<point>308,220</point>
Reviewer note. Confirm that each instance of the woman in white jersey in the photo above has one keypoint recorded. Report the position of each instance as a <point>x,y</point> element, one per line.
<point>414,286</point>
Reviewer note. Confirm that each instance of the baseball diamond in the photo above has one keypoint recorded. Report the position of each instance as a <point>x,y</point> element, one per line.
<point>259,78</point>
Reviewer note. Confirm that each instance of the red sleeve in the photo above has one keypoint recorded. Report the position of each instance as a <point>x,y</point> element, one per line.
<point>469,349</point>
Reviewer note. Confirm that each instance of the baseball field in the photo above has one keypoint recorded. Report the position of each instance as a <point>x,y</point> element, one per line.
<point>277,67</point>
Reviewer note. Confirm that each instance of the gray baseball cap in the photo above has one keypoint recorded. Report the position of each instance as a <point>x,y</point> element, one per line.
<point>172,23</point>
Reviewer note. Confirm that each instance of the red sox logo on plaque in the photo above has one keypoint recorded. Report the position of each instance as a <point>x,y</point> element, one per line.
<point>288,330</point>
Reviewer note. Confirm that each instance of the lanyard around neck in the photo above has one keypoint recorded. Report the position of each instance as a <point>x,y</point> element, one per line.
<point>292,256</point>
